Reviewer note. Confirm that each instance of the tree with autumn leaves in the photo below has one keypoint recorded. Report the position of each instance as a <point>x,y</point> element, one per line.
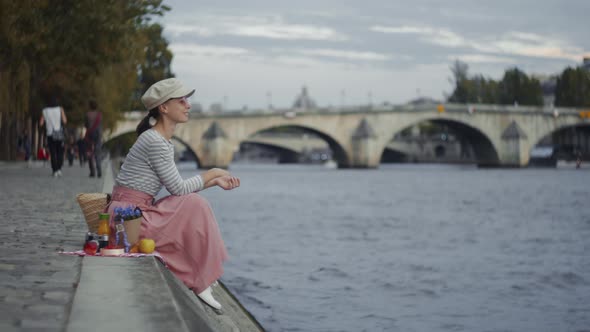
<point>76,50</point>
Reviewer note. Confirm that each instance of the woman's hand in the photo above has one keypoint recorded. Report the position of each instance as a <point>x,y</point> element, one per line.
<point>227,182</point>
<point>212,174</point>
<point>219,172</point>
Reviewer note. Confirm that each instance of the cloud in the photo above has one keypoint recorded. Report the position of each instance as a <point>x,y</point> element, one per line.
<point>530,45</point>
<point>300,58</point>
<point>481,58</point>
<point>272,27</point>
<point>348,55</point>
<point>511,43</point>
<point>207,50</point>
<point>283,57</point>
<point>526,36</point>
<point>288,32</point>
<point>441,37</point>
<point>298,61</point>
<point>178,29</point>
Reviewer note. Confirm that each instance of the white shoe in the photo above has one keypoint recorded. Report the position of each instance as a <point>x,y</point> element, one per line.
<point>55,174</point>
<point>207,297</point>
<point>59,173</point>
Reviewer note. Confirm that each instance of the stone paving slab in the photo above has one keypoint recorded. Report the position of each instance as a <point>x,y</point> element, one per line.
<point>39,217</point>
<point>124,294</point>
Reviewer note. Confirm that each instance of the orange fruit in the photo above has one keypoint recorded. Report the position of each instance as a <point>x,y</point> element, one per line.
<point>147,246</point>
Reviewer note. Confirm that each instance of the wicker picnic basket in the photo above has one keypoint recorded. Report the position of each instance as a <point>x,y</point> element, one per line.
<point>92,204</point>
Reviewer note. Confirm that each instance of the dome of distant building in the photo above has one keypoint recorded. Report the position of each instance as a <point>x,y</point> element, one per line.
<point>303,101</point>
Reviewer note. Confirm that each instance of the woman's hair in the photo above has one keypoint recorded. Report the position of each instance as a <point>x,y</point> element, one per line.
<point>145,122</point>
<point>52,101</point>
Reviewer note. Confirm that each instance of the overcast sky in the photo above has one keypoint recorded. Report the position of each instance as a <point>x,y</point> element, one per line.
<point>348,52</point>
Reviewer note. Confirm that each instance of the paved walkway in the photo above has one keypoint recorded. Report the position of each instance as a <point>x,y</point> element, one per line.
<point>40,289</point>
<point>39,217</point>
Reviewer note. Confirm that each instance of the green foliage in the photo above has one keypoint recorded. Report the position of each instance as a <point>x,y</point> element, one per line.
<point>515,87</point>
<point>485,91</point>
<point>157,57</point>
<point>156,63</point>
<point>119,146</point>
<point>573,88</point>
<point>75,50</point>
<point>477,89</point>
<point>461,81</point>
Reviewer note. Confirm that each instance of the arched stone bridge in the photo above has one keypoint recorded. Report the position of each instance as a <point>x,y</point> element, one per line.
<point>499,135</point>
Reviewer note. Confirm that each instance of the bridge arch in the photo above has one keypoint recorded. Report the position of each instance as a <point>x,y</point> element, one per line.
<point>286,154</point>
<point>119,144</point>
<point>483,147</point>
<point>191,153</point>
<point>338,152</point>
<point>568,139</point>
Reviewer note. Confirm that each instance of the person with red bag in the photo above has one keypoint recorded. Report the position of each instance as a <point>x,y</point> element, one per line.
<point>53,117</point>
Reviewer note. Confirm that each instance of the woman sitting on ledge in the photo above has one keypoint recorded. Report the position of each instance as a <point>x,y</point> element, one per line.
<point>182,224</point>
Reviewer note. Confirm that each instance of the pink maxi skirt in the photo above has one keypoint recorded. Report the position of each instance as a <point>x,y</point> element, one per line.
<point>185,231</point>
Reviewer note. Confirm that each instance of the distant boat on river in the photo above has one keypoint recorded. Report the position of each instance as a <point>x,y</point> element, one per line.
<point>560,156</point>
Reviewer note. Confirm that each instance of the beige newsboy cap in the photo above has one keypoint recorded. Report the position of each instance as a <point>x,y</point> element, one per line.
<point>163,90</point>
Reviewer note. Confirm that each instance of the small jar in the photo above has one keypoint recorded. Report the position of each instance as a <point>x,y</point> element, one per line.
<point>103,241</point>
<point>89,237</point>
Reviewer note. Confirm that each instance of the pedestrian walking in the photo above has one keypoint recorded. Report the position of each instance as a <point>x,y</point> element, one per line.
<point>54,117</point>
<point>93,138</point>
<point>24,145</point>
<point>71,151</point>
<point>182,224</point>
<point>81,150</point>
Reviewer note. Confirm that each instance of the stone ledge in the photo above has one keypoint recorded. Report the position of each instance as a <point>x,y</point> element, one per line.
<point>141,294</point>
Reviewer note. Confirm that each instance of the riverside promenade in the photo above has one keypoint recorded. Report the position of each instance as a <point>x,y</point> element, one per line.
<point>41,290</point>
<point>40,217</point>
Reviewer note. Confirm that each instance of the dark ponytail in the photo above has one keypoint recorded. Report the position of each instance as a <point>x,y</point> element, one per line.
<point>145,122</point>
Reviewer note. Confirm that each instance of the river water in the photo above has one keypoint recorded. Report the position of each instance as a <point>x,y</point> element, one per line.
<point>408,247</point>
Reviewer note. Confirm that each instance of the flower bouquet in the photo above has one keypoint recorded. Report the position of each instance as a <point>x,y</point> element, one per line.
<point>127,226</point>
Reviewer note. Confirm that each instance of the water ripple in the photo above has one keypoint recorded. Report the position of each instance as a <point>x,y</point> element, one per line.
<point>408,248</point>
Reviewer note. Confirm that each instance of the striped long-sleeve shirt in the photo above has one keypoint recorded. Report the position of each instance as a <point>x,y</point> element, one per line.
<point>149,165</point>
